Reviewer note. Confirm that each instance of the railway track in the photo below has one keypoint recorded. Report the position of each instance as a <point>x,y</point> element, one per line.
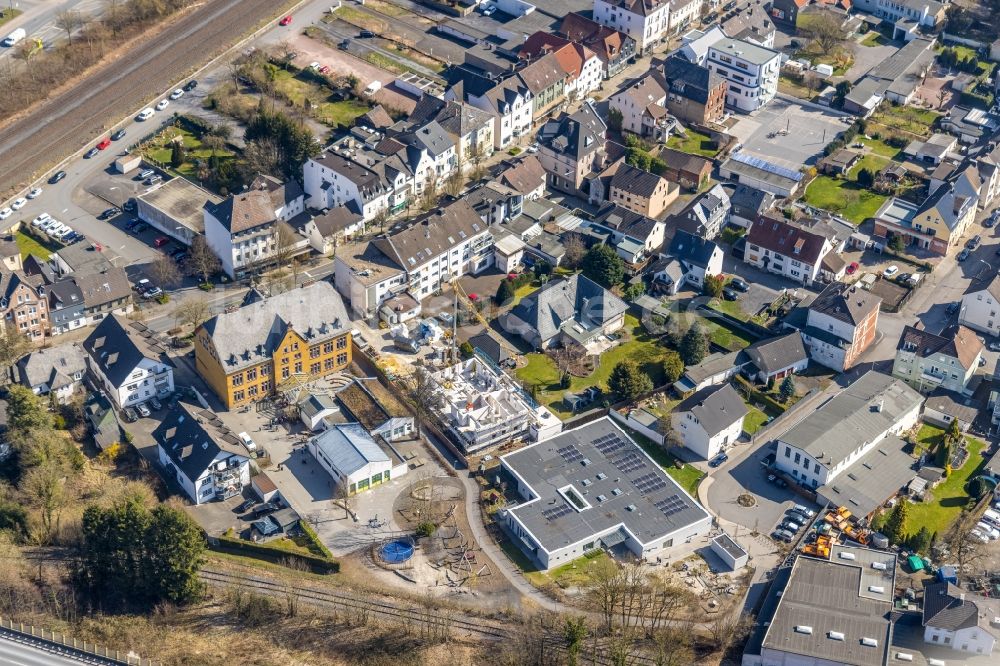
<point>64,123</point>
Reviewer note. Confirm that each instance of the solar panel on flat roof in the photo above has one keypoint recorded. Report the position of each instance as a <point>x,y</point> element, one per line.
<point>570,453</point>
<point>629,462</point>
<point>608,443</point>
<point>767,166</point>
<point>556,512</point>
<point>671,505</point>
<point>648,483</point>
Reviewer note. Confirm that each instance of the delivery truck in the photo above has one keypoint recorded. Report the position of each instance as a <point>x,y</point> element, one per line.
<point>14,37</point>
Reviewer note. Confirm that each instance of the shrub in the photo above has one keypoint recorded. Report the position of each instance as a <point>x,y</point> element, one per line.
<point>515,151</point>
<point>426,529</point>
<point>206,286</point>
<point>163,299</point>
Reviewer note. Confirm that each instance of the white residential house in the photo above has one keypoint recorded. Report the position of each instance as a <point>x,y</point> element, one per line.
<point>697,259</point>
<point>841,324</point>
<point>928,362</point>
<point>981,309</point>
<point>709,420</point>
<point>353,458</point>
<point>195,454</point>
<point>642,105</point>
<point>925,13</point>
<point>962,621</point>
<point>787,250</point>
<point>470,128</point>
<point>509,101</point>
<point>645,21</point>
<point>750,69</point>
<point>58,370</point>
<point>129,367</point>
<point>333,179</point>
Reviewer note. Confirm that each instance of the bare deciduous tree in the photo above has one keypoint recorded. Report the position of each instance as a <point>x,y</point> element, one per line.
<point>70,21</point>
<point>164,272</point>
<point>193,311</point>
<point>202,260</point>
<point>574,250</point>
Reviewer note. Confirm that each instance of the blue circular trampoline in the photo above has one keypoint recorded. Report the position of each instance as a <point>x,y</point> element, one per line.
<point>397,551</point>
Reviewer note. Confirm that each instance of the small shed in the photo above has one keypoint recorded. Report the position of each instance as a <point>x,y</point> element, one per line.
<point>264,487</point>
<point>315,409</point>
<point>915,563</point>
<point>732,553</point>
<point>839,162</point>
<point>947,574</point>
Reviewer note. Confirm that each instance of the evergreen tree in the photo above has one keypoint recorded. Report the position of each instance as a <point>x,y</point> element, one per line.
<point>603,265</point>
<point>895,525</point>
<point>505,292</point>
<point>787,388</point>
<point>25,411</point>
<point>176,154</point>
<point>627,380</point>
<point>694,346</point>
<point>921,541</point>
<point>466,350</point>
<point>673,367</point>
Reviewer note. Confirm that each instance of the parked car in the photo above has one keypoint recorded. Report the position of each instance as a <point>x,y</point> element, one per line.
<point>119,135</point>
<point>156,404</point>
<point>19,203</point>
<point>130,415</point>
<point>139,228</point>
<point>153,180</point>
<point>804,510</point>
<point>129,206</point>
<point>103,145</point>
<point>974,242</point>
<point>146,173</point>
<point>180,257</point>
<point>990,221</point>
<point>56,177</point>
<point>366,34</point>
<point>777,480</point>
<point>718,460</point>
<point>5,213</point>
<point>286,21</point>
<point>979,536</point>
<point>490,10</point>
<point>344,44</point>
<point>264,509</point>
<point>730,294</point>
<point>109,213</point>
<point>994,346</point>
<point>130,225</point>
<point>890,271</point>
<point>162,104</point>
<point>145,114</point>
<point>190,85</point>
<point>797,517</point>
<point>739,284</point>
<point>177,94</point>
<point>90,153</point>
<point>852,268</point>
<point>160,241</point>
<point>245,506</point>
<point>782,535</point>
<point>791,526</point>
<point>144,410</point>
<point>35,193</point>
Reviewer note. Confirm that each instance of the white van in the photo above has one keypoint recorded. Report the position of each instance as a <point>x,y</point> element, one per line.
<point>373,88</point>
<point>14,37</point>
<point>248,442</point>
<point>145,114</point>
<point>991,517</point>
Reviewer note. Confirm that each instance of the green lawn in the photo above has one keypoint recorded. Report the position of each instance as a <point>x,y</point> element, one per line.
<point>686,476</point>
<point>299,88</point>
<point>8,14</point>
<point>879,147</point>
<point>194,152</point>
<point>724,337</point>
<point>542,372</point>
<point>525,290</point>
<point>754,421</point>
<point>694,144</point>
<point>340,113</point>
<point>928,437</point>
<point>29,245</point>
<point>950,496</point>
<point>875,38</point>
<point>844,196</point>
<point>911,120</point>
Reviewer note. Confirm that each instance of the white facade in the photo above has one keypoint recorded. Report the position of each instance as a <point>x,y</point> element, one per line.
<point>510,121</point>
<point>327,187</point>
<point>786,265</point>
<point>974,640</point>
<point>684,13</point>
<point>472,256</point>
<point>237,252</point>
<point>227,470</point>
<point>591,75</point>
<point>980,310</point>
<point>752,72</point>
<point>698,440</point>
<point>149,379</point>
<point>365,292</point>
<point>647,29</point>
<point>631,102</point>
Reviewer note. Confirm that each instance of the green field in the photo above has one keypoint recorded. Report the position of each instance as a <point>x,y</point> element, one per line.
<point>694,144</point>
<point>912,121</point>
<point>875,38</point>
<point>194,152</point>
<point>8,14</point>
<point>29,245</point>
<point>950,496</point>
<point>754,421</point>
<point>843,195</point>
<point>541,370</point>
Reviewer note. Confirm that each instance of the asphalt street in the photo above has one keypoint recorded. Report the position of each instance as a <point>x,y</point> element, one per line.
<point>13,653</point>
<point>39,18</point>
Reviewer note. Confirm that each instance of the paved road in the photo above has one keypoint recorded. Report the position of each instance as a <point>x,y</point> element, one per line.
<point>18,654</point>
<point>66,121</point>
<point>39,17</point>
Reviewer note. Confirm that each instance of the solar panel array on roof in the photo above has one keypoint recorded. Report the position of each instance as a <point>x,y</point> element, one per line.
<point>671,505</point>
<point>570,453</point>
<point>608,443</point>
<point>767,166</point>
<point>556,512</point>
<point>629,462</point>
<point>649,483</point>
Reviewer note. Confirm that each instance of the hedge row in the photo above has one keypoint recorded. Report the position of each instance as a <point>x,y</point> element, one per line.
<point>311,533</point>
<point>236,546</point>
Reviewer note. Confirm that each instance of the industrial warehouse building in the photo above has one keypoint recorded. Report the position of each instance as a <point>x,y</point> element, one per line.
<point>593,487</point>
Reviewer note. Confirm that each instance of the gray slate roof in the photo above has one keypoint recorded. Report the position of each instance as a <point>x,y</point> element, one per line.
<point>429,237</point>
<point>54,366</point>
<point>117,346</point>
<point>949,607</point>
<point>574,135</point>
<point>858,414</point>
<point>248,335</point>
<point>193,437</point>
<point>545,469</point>
<point>775,354</point>
<point>715,407</point>
<point>691,249</point>
<point>349,447</point>
<point>873,478</point>
<point>847,303</point>
<point>576,298</point>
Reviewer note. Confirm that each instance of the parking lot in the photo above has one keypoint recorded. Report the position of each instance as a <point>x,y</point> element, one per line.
<point>789,133</point>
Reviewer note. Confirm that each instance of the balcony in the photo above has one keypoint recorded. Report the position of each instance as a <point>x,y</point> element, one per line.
<point>931,378</point>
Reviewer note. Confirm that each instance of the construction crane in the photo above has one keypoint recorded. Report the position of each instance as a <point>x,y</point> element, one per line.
<point>470,304</point>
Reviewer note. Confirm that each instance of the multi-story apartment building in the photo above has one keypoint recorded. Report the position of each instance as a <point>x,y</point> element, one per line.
<point>273,343</point>
<point>127,363</point>
<point>980,309</point>
<point>709,420</point>
<point>508,100</point>
<point>695,94</point>
<point>927,361</point>
<point>445,244</point>
<point>939,223</point>
<point>840,325</point>
<point>926,13</point>
<point>571,147</point>
<point>785,249</point>
<point>750,70</point>
<point>613,48</point>
<point>826,443</point>
<point>24,304</point>
<point>470,129</point>
<point>545,78</point>
<point>642,107</point>
<point>583,69</point>
<point>962,622</point>
<point>645,21</point>
<point>641,192</point>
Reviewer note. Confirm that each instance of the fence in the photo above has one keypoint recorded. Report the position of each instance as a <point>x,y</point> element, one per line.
<point>60,643</point>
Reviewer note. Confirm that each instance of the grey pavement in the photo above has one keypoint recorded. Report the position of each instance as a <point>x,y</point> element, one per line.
<point>38,18</point>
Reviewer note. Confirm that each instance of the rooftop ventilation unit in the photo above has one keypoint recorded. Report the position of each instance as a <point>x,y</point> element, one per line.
<point>847,556</point>
<point>803,629</point>
<point>879,565</point>
<point>904,656</point>
<point>877,589</point>
<point>869,642</point>
<point>836,635</point>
